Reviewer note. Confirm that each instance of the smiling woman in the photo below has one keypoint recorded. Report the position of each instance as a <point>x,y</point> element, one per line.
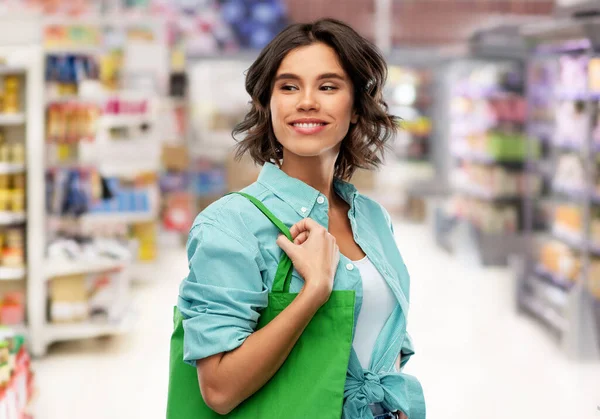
<point>317,114</point>
<point>322,73</point>
<point>312,104</point>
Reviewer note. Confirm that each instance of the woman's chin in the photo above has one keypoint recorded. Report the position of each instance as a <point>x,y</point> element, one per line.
<point>306,149</point>
<point>308,152</point>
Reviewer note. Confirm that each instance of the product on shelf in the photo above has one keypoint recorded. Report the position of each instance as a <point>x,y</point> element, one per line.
<point>571,123</point>
<point>209,181</point>
<point>510,147</point>
<point>594,277</point>
<point>496,146</point>
<point>594,74</point>
<point>12,193</point>
<point>132,197</point>
<point>561,260</point>
<point>64,73</point>
<point>10,94</point>
<point>596,134</point>
<point>486,216</point>
<point>16,377</point>
<point>68,299</point>
<point>119,106</point>
<point>145,234</point>
<point>496,181</point>
<point>175,158</point>
<point>569,218</point>
<point>12,308</point>
<point>87,279</point>
<point>71,122</point>
<point>72,35</point>
<point>177,213</point>
<point>570,174</point>
<point>595,227</point>
<point>78,298</point>
<point>12,245</point>
<point>407,92</point>
<point>11,152</point>
<point>72,191</point>
<point>573,73</point>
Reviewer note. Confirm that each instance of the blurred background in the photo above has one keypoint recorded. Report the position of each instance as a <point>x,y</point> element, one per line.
<point>115,122</point>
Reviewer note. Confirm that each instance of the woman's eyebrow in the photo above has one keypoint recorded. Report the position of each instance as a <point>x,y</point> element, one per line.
<point>331,76</point>
<point>292,76</point>
<point>287,76</point>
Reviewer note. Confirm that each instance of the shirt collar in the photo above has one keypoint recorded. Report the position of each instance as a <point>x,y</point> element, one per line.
<point>298,194</point>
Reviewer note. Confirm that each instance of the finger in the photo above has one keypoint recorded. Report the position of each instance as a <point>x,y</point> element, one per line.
<point>301,238</point>
<point>303,225</point>
<point>306,224</point>
<point>286,245</point>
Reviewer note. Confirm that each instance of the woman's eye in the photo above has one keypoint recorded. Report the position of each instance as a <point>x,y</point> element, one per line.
<point>289,87</point>
<point>328,88</point>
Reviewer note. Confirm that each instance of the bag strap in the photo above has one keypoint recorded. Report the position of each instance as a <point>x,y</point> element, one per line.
<point>283,276</point>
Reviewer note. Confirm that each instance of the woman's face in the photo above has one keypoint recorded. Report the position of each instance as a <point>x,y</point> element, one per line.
<point>312,102</point>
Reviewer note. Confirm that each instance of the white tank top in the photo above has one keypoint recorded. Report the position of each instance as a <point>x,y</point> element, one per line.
<point>377,306</point>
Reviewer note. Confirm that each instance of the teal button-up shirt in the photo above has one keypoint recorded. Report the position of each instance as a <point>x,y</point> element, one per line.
<point>233,258</point>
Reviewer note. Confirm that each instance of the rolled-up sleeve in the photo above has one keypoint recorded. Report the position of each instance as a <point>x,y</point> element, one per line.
<point>222,296</point>
<point>407,351</point>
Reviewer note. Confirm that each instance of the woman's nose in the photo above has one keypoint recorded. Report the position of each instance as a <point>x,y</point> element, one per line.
<point>308,102</point>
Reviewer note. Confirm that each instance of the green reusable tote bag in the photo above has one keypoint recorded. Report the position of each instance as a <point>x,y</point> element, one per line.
<point>310,383</point>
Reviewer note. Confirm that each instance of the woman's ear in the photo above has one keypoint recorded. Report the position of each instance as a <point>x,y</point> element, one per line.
<point>354,118</point>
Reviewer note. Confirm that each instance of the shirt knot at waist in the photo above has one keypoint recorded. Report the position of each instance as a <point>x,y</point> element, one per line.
<point>361,392</point>
<point>371,388</point>
<point>395,391</point>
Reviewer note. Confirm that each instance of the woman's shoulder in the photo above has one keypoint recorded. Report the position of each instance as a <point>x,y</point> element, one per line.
<point>232,212</point>
<point>373,209</point>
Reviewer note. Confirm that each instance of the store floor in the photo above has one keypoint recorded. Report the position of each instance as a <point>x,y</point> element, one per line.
<point>475,357</point>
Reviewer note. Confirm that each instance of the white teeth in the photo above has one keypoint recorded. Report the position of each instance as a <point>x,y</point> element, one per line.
<point>309,125</point>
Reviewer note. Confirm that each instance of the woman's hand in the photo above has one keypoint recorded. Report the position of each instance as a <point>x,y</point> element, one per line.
<point>315,256</point>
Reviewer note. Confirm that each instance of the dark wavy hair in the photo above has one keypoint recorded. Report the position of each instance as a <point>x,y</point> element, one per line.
<point>365,142</point>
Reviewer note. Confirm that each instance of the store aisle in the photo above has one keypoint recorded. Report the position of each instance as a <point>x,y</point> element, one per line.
<point>475,357</point>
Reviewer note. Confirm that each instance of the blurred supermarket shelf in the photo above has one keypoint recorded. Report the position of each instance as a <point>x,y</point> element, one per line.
<point>125,120</point>
<point>476,191</point>
<point>567,145</point>
<point>556,280</point>
<point>11,168</point>
<point>574,240</point>
<point>8,217</point>
<point>89,329</point>
<point>566,94</point>
<point>12,119</point>
<point>56,267</point>
<point>73,49</point>
<point>570,191</point>
<point>544,313</point>
<point>14,329</point>
<point>119,217</point>
<point>8,69</point>
<point>556,297</point>
<point>104,218</point>
<point>10,274</point>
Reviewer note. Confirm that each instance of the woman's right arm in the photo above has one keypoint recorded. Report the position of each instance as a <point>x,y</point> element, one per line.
<point>227,379</point>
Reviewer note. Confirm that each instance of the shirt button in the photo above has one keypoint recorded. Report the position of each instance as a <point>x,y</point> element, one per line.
<point>303,209</point>
<point>349,266</point>
<point>320,200</point>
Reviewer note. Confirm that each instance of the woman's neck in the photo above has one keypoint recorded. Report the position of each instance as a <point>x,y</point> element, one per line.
<point>315,172</point>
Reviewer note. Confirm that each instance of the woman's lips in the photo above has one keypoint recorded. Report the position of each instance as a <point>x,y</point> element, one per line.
<point>308,128</point>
